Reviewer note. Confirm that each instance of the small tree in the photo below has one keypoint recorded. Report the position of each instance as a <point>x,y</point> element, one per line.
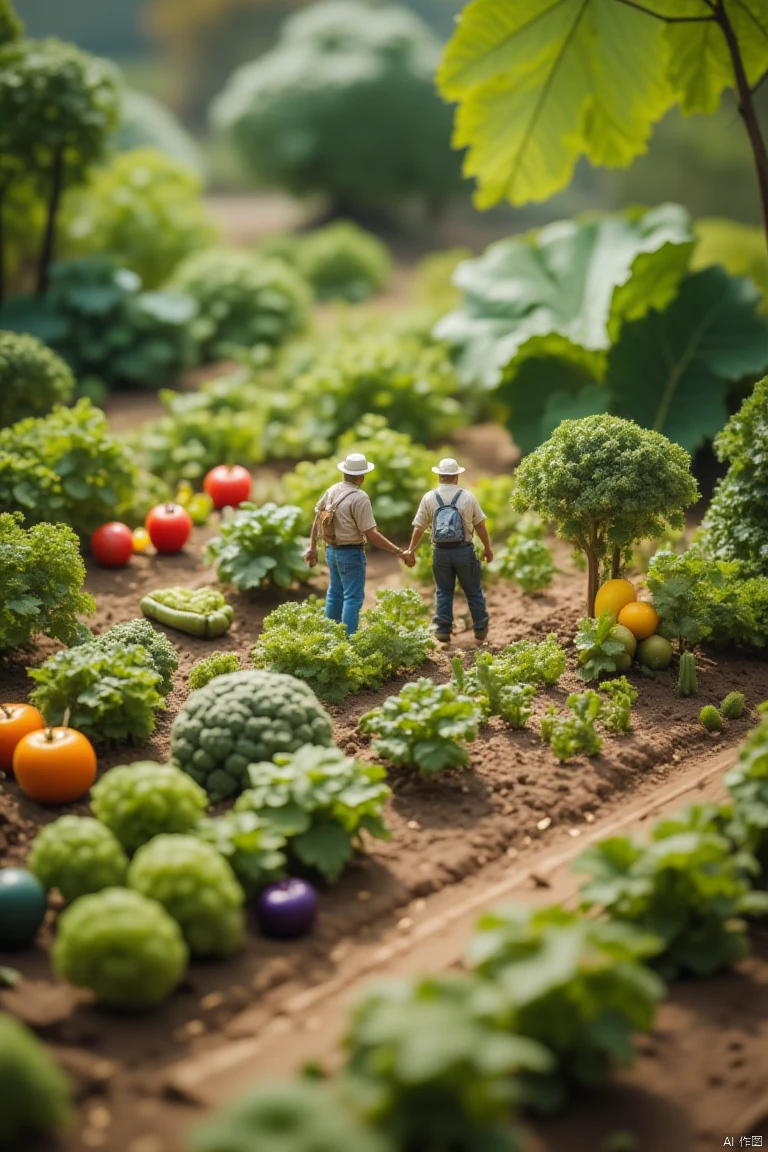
<point>606,484</point>
<point>58,106</point>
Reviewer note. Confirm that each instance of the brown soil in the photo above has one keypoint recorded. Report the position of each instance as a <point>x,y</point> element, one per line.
<point>700,1069</point>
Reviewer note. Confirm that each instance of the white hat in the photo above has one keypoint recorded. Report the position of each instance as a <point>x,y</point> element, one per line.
<point>448,467</point>
<point>355,465</point>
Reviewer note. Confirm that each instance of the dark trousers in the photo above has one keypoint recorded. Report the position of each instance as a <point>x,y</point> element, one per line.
<point>448,566</point>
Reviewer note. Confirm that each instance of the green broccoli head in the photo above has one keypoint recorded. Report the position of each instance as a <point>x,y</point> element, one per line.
<point>77,855</point>
<point>156,644</point>
<point>123,946</point>
<point>217,664</point>
<point>244,718</point>
<point>142,800</point>
<point>34,1094</point>
<point>197,887</point>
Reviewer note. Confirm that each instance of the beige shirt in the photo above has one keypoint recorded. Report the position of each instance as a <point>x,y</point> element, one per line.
<point>467,505</point>
<point>353,516</point>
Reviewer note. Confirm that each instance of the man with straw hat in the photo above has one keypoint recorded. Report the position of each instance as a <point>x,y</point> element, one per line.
<point>344,518</point>
<point>454,515</point>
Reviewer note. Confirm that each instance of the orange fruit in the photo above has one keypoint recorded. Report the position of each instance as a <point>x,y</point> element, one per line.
<point>640,618</point>
<point>16,720</point>
<point>613,596</point>
<point>54,766</point>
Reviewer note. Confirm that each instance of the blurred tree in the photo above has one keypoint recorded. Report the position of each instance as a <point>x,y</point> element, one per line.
<point>345,105</point>
<point>10,25</point>
<point>58,106</point>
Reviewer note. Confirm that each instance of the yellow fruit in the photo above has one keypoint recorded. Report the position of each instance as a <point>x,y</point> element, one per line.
<point>140,540</point>
<point>641,619</point>
<point>613,596</point>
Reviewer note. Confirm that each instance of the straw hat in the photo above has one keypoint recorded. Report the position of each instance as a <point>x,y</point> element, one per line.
<point>448,467</point>
<point>355,465</point>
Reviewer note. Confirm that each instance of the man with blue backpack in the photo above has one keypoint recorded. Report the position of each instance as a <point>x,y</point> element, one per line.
<point>454,515</point>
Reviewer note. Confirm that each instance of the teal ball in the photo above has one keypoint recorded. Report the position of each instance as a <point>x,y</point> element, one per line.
<point>23,902</point>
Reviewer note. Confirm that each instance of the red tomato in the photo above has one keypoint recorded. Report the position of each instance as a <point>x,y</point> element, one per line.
<point>169,526</point>
<point>112,544</point>
<point>228,487</point>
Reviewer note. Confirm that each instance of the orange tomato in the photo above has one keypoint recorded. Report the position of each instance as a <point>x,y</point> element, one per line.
<point>641,619</point>
<point>613,596</point>
<point>55,766</point>
<point>16,720</point>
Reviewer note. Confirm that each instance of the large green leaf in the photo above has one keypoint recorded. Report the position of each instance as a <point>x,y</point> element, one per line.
<point>540,83</point>
<point>543,82</point>
<point>572,283</point>
<point>738,248</point>
<point>544,391</point>
<point>671,370</point>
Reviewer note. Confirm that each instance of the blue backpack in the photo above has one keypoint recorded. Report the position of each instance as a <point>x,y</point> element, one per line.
<point>447,524</point>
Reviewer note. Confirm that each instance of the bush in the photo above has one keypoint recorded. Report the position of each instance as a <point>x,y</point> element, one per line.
<point>111,691</point>
<point>77,855</point>
<point>217,664</point>
<point>32,378</point>
<point>526,562</point>
<point>66,467</point>
<point>156,644</point>
<point>736,524</point>
<point>396,486</point>
<point>424,727</point>
<point>341,261</point>
<point>321,801</point>
<point>41,580</point>
<point>260,545</point>
<point>243,300</point>
<point>142,800</point>
<point>355,86</point>
<point>96,316</point>
<point>144,209</point>
<point>34,1093</point>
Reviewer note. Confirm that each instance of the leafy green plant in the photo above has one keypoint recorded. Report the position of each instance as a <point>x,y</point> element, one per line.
<point>425,726</point>
<point>736,524</point>
<point>573,733</point>
<point>393,636</point>
<point>321,801</point>
<point>486,683</point>
<point>711,718</point>
<point>145,209</point>
<point>577,985</point>
<point>32,378</point>
<point>357,86</point>
<point>260,544</point>
<point>244,718</point>
<point>297,1116</point>
<point>207,669</point>
<point>432,1066</point>
<point>41,580</point>
<point>341,261</point>
<point>112,333</point>
<point>158,647</point>
<point>250,844</point>
<point>616,712</point>
<point>733,705</point>
<point>66,467</point>
<point>396,486</point>
<point>142,800</point>
<point>686,887</point>
<point>300,640</point>
<point>197,887</point>
<point>538,90</point>
<point>77,855</point>
<point>606,483</point>
<point>58,106</point>
<point>747,785</point>
<point>526,562</point>
<point>599,648</point>
<point>111,691</point>
<point>118,923</point>
<point>650,346</point>
<point>528,662</point>
<point>243,300</point>
<point>35,1092</point>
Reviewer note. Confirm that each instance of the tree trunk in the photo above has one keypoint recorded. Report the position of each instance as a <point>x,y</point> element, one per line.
<point>747,111</point>
<point>593,580</point>
<point>616,564</point>
<point>46,254</point>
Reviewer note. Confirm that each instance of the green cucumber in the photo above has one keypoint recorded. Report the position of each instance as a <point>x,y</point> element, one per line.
<point>204,626</point>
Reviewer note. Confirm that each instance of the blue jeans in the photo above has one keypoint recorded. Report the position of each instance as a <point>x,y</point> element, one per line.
<point>346,590</point>
<point>448,565</point>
